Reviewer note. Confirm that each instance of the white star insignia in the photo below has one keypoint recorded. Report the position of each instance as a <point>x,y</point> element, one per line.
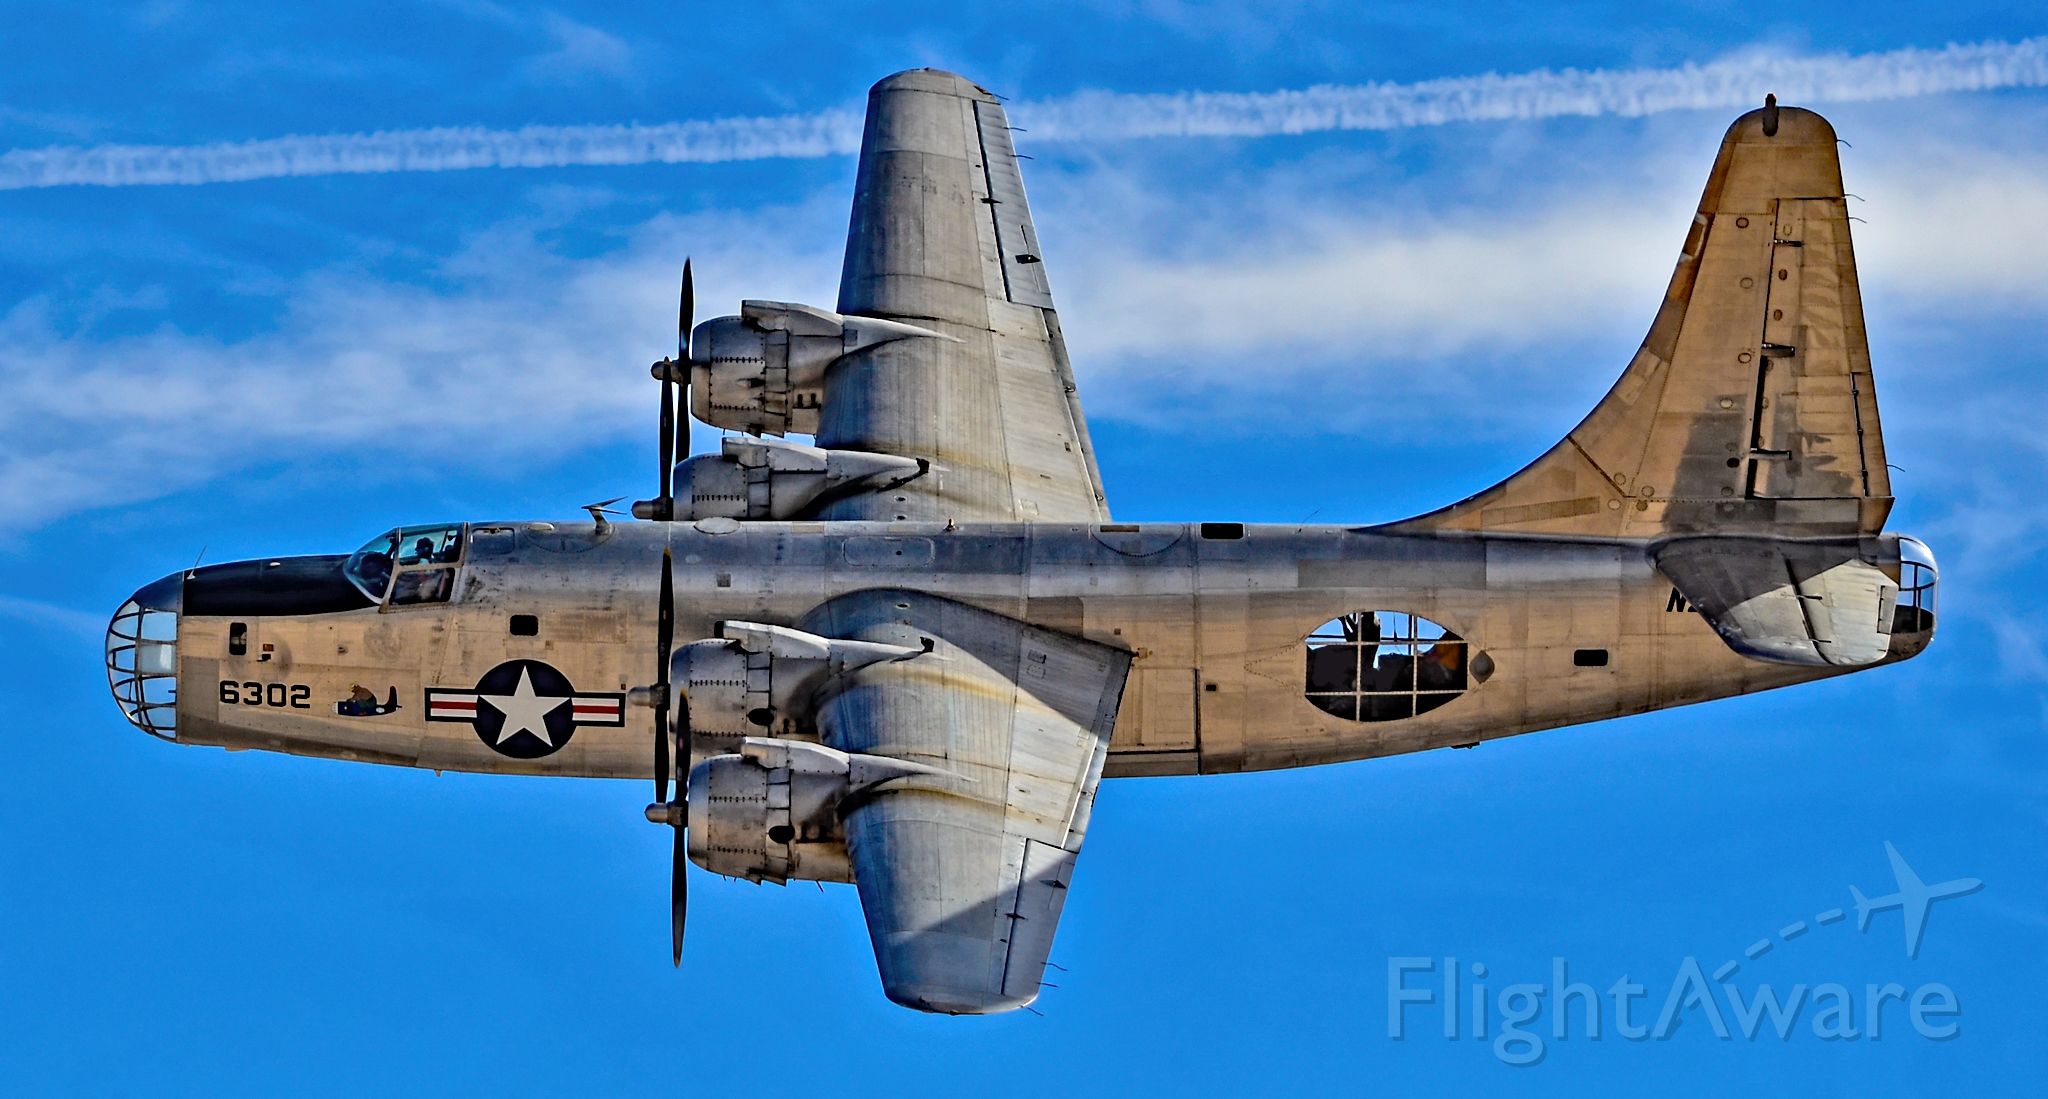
<point>525,712</point>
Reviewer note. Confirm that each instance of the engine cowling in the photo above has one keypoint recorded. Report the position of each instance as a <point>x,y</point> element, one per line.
<point>772,479</point>
<point>763,372</point>
<point>756,679</point>
<point>770,812</point>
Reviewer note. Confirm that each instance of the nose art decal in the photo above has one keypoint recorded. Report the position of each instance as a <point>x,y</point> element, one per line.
<point>362,702</point>
<point>525,709</point>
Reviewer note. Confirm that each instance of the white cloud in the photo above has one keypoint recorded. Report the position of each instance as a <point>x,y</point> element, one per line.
<point>522,353</point>
<point>1368,286</point>
<point>1956,223</point>
<point>53,616</point>
<point>579,49</point>
<point>1275,294</point>
<point>573,49</point>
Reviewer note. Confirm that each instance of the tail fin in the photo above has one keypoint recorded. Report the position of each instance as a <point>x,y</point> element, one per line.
<point>1863,909</point>
<point>1749,407</point>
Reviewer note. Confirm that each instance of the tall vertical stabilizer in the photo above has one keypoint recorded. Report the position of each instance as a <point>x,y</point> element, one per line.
<point>1750,406</point>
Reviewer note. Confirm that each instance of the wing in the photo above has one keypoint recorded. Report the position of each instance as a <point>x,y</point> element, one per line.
<point>962,874</point>
<point>941,238</point>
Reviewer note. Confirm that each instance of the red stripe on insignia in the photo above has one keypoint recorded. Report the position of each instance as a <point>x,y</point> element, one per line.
<point>597,708</point>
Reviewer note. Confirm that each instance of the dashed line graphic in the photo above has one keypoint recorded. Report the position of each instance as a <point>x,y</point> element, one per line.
<point>1913,899</point>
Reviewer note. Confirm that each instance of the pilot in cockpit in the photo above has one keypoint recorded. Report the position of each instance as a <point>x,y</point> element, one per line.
<point>375,569</point>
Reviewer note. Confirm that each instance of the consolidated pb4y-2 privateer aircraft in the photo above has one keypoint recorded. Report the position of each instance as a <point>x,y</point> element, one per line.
<point>911,650</point>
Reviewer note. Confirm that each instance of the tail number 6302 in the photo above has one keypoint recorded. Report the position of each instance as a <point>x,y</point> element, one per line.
<point>284,696</point>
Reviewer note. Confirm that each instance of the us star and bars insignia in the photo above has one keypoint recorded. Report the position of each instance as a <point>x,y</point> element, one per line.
<point>525,709</point>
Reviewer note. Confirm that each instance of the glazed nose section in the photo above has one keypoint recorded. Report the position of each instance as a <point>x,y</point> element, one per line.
<point>142,656</point>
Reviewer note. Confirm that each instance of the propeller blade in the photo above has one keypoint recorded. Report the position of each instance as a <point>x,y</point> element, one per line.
<point>679,869</point>
<point>665,500</point>
<point>665,628</point>
<point>686,315</point>
<point>680,730</point>
<point>678,898</point>
<point>685,312</point>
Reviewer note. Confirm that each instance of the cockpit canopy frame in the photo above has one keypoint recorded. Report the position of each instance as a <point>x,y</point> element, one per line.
<point>410,565</point>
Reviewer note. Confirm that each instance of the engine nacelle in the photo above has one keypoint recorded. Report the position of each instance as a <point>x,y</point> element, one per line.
<point>772,479</point>
<point>756,679</point>
<point>770,812</point>
<point>763,372</point>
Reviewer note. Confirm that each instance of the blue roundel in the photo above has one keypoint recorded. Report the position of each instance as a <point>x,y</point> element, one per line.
<point>524,709</point>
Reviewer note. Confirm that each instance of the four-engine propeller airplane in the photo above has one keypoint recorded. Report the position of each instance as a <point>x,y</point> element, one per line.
<point>910,650</point>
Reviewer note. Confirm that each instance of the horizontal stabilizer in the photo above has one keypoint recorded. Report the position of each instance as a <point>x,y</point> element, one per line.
<point>1820,604</point>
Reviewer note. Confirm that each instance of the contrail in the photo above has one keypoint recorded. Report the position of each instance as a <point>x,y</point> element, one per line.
<point>442,149</point>
<point>1088,116</point>
<point>1546,93</point>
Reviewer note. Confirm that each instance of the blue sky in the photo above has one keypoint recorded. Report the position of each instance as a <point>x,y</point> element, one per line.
<point>1340,325</point>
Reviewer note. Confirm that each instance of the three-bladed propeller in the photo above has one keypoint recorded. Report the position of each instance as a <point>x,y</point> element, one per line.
<point>672,759</point>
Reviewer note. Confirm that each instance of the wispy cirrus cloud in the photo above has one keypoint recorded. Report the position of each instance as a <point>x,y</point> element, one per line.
<point>55,617</point>
<point>573,48</point>
<point>1463,317</point>
<point>513,351</point>
<point>576,48</point>
<point>1085,117</point>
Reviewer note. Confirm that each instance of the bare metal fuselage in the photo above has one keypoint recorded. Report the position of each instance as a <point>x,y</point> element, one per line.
<point>1215,616</point>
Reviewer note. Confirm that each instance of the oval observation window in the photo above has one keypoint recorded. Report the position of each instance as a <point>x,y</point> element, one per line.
<point>1384,665</point>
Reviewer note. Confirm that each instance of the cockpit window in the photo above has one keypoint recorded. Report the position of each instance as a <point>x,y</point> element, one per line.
<point>369,568</point>
<point>422,558</point>
<point>439,546</point>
